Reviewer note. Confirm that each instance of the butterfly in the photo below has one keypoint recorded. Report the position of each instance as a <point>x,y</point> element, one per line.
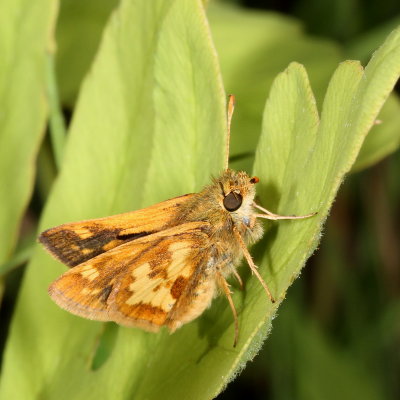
<point>164,264</point>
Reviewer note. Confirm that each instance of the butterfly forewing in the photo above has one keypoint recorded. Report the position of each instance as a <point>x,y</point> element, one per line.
<point>78,242</point>
<point>139,283</point>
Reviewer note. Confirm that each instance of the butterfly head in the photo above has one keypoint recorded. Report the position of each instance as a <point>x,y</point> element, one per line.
<point>237,191</point>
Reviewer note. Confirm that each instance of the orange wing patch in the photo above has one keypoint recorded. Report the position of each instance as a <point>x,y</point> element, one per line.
<point>149,288</point>
<point>78,242</point>
<point>139,282</point>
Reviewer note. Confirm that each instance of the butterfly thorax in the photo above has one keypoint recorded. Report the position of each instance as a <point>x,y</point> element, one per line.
<point>226,204</point>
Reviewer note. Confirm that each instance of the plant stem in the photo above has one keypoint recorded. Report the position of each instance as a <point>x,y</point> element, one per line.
<point>57,123</point>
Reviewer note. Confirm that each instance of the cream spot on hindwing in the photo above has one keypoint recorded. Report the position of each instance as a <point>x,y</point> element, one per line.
<point>89,272</point>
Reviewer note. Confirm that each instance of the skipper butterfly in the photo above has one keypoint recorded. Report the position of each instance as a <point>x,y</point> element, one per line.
<point>162,265</point>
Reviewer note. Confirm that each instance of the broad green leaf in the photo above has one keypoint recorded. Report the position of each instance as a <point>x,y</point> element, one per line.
<point>25,38</point>
<point>149,125</point>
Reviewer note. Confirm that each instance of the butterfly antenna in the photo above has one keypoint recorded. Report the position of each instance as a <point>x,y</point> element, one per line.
<point>231,107</point>
<point>270,215</point>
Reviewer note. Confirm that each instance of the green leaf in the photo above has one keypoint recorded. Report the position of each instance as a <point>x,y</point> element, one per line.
<point>149,125</point>
<point>25,34</point>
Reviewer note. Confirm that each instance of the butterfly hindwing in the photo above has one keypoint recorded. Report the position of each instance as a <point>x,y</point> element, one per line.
<point>140,283</point>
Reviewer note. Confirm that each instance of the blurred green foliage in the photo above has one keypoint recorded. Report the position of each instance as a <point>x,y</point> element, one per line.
<point>337,334</point>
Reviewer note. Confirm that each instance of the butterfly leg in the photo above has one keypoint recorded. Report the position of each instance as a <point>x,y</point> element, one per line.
<point>250,261</point>
<point>226,262</point>
<point>269,215</point>
<point>237,276</point>
<point>225,287</point>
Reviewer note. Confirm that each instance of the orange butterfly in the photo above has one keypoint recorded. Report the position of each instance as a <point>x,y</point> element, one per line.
<point>162,265</point>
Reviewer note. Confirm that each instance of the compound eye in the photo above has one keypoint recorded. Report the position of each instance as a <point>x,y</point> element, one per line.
<point>233,201</point>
